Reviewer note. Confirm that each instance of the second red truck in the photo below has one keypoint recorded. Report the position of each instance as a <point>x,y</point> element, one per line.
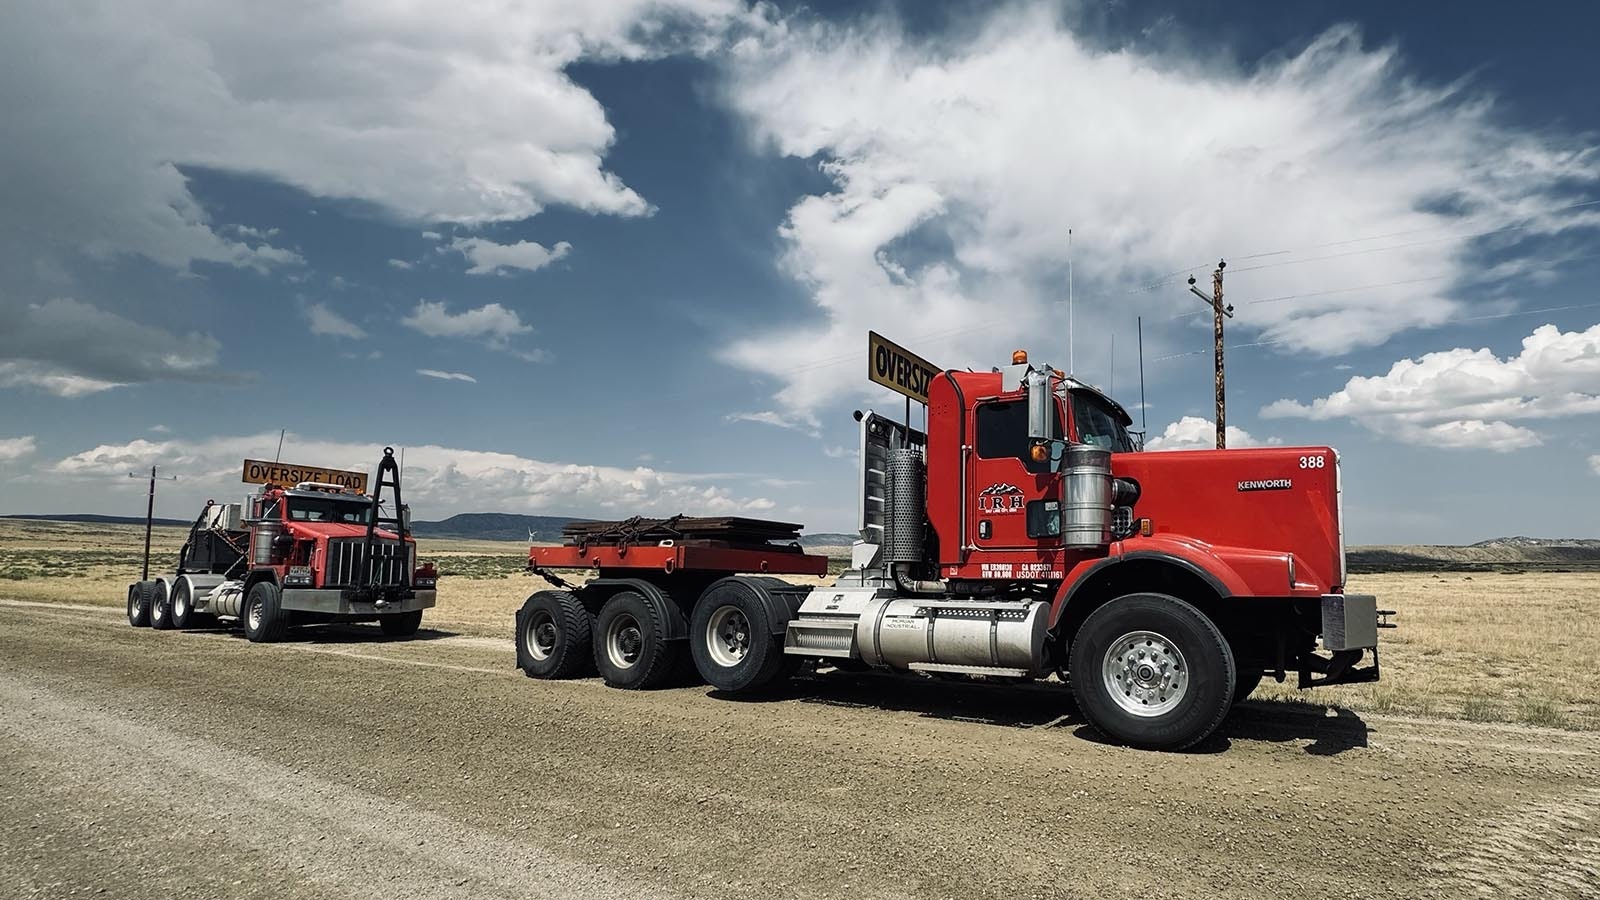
<point>1024,535</point>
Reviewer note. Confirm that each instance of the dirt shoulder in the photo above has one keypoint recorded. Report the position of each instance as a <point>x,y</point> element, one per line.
<point>342,764</point>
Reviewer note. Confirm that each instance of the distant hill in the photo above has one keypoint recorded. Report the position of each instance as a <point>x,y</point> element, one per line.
<point>827,539</point>
<point>1497,554</point>
<point>494,527</point>
<point>104,520</point>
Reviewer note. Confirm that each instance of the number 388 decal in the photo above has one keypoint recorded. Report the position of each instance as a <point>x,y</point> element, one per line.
<point>1313,462</point>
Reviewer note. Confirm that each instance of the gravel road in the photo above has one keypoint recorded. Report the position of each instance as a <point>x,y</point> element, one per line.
<point>161,764</point>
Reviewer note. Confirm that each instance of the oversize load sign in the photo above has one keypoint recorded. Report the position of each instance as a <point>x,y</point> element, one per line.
<point>898,369</point>
<point>260,471</point>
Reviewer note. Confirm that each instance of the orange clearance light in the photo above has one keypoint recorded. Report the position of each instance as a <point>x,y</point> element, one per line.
<point>1144,527</point>
<point>1040,453</point>
<point>1018,357</point>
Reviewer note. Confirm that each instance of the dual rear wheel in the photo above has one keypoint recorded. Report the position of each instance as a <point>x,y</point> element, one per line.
<point>629,641</point>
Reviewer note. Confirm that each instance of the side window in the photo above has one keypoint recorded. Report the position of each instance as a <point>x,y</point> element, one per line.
<point>1044,518</point>
<point>1003,433</point>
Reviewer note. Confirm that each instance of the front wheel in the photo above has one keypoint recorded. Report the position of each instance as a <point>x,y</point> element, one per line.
<point>265,620</point>
<point>1151,671</point>
<point>401,624</point>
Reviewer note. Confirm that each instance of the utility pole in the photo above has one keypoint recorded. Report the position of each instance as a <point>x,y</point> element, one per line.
<point>1218,311</point>
<point>150,515</point>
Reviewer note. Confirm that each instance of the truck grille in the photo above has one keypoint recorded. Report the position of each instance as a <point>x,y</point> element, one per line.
<point>391,563</point>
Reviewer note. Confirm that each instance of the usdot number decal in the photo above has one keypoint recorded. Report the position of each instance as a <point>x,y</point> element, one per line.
<point>1313,462</point>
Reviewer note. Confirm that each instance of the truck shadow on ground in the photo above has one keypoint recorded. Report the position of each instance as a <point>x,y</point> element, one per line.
<point>337,634</point>
<point>1331,730</point>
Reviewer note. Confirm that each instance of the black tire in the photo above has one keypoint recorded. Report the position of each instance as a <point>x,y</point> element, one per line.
<point>401,624</point>
<point>183,614</point>
<point>139,596</point>
<point>555,636</point>
<point>731,640</point>
<point>1180,696</point>
<point>161,607</point>
<point>1245,684</point>
<point>631,649</point>
<point>264,619</point>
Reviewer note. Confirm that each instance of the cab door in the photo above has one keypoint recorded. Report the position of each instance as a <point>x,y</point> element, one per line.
<point>1013,501</point>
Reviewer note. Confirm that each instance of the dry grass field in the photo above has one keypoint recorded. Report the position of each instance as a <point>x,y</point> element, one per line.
<point>1482,646</point>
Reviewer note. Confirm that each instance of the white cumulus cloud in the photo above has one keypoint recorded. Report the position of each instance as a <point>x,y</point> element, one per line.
<point>1465,398</point>
<point>439,481</point>
<point>13,449</point>
<point>325,321</point>
<point>467,104</point>
<point>490,258</point>
<point>1196,433</point>
<point>958,165</point>
<point>447,376</point>
<point>803,423</point>
<point>491,323</point>
<point>71,348</point>
<point>1594,463</point>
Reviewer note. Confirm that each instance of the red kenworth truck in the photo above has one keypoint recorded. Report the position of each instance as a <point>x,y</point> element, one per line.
<point>1024,535</point>
<point>300,553</point>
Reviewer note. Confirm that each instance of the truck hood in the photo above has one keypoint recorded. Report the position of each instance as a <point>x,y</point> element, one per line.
<point>336,530</point>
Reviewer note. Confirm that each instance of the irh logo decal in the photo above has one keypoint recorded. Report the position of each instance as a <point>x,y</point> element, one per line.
<point>1000,498</point>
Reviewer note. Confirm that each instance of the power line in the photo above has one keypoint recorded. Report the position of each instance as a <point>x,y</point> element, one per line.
<point>1451,321</point>
<point>1161,281</point>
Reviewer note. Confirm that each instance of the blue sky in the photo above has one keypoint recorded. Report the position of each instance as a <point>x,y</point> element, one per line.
<point>606,257</point>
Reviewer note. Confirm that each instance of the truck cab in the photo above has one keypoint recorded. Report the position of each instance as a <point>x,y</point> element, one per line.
<point>310,553</point>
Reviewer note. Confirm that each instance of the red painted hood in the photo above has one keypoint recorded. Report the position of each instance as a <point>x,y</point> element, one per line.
<point>306,530</point>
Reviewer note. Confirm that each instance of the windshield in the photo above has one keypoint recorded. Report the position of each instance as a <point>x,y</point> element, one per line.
<point>1098,425</point>
<point>329,509</point>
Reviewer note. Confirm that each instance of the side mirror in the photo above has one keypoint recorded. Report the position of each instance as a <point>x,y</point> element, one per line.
<point>405,517</point>
<point>1039,403</point>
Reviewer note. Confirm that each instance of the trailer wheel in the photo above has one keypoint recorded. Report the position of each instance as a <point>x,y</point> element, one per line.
<point>139,596</point>
<point>555,636</point>
<point>732,643</point>
<point>264,618</point>
<point>1151,671</point>
<point>631,649</point>
<point>401,624</point>
<point>161,607</point>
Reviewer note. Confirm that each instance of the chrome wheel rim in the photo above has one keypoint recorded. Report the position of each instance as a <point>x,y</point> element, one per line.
<point>624,641</point>
<point>253,616</point>
<point>158,608</point>
<point>180,604</point>
<point>728,636</point>
<point>133,605</point>
<point>540,636</point>
<point>1145,673</point>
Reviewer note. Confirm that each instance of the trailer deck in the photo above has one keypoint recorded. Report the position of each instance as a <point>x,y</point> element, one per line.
<point>681,544</point>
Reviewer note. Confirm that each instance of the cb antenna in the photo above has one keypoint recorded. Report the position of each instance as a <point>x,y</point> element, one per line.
<point>279,455</point>
<point>1072,334</point>
<point>1144,424</point>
